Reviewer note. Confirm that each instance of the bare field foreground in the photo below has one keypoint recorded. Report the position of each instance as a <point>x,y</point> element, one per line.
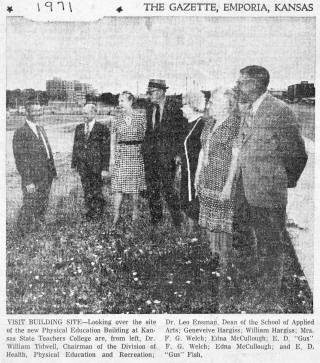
<point>74,266</point>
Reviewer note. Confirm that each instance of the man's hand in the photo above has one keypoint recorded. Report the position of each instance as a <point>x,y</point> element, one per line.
<point>105,174</point>
<point>177,160</point>
<point>31,188</point>
<point>226,193</point>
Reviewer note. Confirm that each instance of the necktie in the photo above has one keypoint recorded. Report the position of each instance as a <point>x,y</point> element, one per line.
<point>38,132</point>
<point>246,122</point>
<point>86,130</point>
<point>249,116</point>
<point>43,139</point>
<point>157,117</point>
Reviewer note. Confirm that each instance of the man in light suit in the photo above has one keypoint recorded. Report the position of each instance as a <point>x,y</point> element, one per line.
<point>271,158</point>
<point>90,158</point>
<point>35,164</point>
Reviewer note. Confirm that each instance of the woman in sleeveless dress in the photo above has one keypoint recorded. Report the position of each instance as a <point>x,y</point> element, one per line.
<point>127,168</point>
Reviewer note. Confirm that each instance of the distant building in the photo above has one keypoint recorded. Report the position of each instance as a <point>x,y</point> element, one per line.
<point>301,90</point>
<point>57,88</point>
<point>281,94</point>
<point>69,91</point>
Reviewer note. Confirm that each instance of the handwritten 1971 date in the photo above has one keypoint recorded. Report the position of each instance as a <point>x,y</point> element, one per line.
<point>55,5</point>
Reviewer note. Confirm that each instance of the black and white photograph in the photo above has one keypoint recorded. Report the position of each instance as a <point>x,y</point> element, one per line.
<point>160,165</point>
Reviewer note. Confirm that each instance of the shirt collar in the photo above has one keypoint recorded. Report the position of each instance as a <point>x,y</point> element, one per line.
<point>161,103</point>
<point>194,118</point>
<point>31,124</point>
<point>256,104</point>
<point>91,124</point>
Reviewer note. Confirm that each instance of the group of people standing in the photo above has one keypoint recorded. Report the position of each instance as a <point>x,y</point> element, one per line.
<point>238,150</point>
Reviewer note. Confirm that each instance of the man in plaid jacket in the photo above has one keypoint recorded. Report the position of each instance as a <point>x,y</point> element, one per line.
<point>271,158</point>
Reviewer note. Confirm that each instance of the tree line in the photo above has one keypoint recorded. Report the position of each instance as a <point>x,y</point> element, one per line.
<point>18,97</point>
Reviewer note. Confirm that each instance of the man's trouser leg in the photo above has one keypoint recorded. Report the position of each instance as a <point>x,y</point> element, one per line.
<point>42,198</point>
<point>97,200</point>
<point>244,241</point>
<point>92,189</point>
<point>153,180</point>
<point>25,220</point>
<point>269,225</point>
<point>171,197</point>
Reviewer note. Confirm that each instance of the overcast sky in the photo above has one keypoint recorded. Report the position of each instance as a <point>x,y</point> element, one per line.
<point>116,54</point>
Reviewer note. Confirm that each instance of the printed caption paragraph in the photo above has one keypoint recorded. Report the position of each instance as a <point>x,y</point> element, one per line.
<point>145,337</point>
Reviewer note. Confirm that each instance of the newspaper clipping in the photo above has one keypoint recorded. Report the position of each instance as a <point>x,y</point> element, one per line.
<point>159,180</point>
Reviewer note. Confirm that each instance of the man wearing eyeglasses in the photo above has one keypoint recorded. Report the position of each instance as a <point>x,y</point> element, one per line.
<point>271,158</point>
<point>162,150</point>
<point>35,164</point>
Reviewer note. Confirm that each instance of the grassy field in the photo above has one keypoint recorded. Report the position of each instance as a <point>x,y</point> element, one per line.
<point>75,266</point>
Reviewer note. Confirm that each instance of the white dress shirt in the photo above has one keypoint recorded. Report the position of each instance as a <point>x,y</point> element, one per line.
<point>248,117</point>
<point>161,105</point>
<point>33,127</point>
<point>256,104</point>
<point>252,110</point>
<point>89,126</point>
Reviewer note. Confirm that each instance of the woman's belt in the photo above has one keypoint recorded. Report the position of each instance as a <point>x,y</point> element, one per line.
<point>131,142</point>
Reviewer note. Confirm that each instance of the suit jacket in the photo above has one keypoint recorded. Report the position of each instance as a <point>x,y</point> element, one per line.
<point>163,143</point>
<point>272,155</point>
<point>91,155</point>
<point>31,156</point>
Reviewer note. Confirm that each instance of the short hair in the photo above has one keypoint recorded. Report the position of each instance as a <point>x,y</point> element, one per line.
<point>91,104</point>
<point>129,95</point>
<point>229,94</point>
<point>258,73</point>
<point>28,104</point>
<point>195,99</point>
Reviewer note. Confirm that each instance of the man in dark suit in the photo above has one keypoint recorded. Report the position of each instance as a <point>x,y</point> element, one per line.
<point>271,158</point>
<point>35,164</point>
<point>162,150</point>
<point>90,158</point>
